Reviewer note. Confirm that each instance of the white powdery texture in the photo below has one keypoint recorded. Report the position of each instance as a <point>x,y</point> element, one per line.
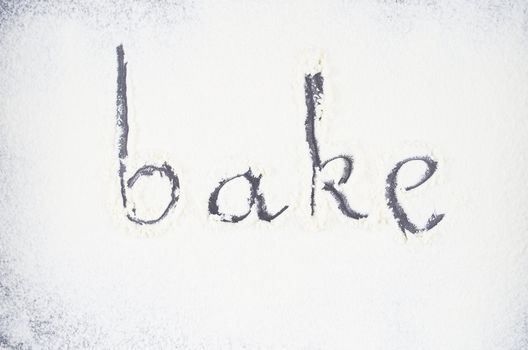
<point>217,87</point>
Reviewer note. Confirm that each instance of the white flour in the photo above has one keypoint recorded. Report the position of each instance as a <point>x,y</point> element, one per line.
<point>217,87</point>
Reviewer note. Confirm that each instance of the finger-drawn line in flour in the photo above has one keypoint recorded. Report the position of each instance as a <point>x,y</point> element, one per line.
<point>313,89</point>
<point>255,197</point>
<point>122,142</point>
<point>392,200</point>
